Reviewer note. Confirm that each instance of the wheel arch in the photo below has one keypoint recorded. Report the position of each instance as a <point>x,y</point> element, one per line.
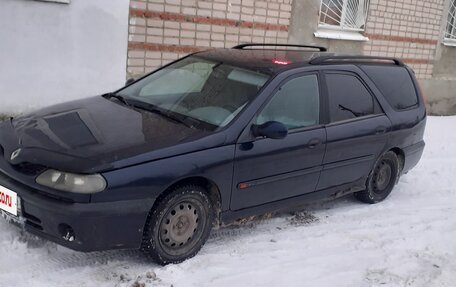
<point>400,156</point>
<point>211,187</point>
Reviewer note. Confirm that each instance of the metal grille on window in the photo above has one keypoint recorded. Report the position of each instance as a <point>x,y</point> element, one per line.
<point>451,24</point>
<point>344,14</point>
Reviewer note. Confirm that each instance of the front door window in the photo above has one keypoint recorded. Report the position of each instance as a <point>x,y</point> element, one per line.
<point>296,104</point>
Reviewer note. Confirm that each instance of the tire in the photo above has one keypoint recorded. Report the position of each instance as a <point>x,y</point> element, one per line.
<point>178,225</point>
<point>381,180</point>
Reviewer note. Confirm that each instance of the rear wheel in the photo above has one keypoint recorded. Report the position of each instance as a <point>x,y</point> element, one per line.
<point>381,180</point>
<point>179,225</point>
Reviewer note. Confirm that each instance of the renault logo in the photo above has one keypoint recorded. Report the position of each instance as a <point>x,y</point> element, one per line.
<point>15,154</point>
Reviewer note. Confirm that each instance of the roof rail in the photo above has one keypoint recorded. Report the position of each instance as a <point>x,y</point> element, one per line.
<point>342,59</point>
<point>242,46</point>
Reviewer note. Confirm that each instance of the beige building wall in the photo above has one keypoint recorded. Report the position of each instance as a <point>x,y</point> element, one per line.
<point>162,31</point>
<point>405,29</point>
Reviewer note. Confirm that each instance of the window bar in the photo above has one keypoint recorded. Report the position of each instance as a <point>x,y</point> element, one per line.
<point>346,14</point>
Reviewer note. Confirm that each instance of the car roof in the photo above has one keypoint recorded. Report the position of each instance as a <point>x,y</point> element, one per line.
<point>265,60</point>
<point>273,61</point>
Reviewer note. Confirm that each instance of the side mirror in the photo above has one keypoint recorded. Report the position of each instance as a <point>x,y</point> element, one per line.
<point>272,130</point>
<point>129,81</point>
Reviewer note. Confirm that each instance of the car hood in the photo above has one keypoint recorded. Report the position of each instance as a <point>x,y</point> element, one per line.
<point>97,134</point>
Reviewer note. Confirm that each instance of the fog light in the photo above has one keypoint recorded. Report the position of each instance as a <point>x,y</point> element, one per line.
<point>67,232</point>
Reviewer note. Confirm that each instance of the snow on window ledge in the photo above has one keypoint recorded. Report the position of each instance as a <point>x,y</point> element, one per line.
<point>56,1</point>
<point>449,42</point>
<point>340,34</point>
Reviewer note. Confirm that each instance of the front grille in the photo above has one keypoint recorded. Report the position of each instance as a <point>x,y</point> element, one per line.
<point>29,168</point>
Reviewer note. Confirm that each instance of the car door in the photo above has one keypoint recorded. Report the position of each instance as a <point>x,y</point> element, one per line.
<point>267,170</point>
<point>356,133</point>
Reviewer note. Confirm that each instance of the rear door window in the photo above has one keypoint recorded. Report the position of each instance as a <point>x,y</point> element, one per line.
<point>395,84</point>
<point>349,98</point>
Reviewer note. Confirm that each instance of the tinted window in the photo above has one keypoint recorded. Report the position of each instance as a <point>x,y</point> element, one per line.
<point>349,98</point>
<point>296,104</point>
<point>395,84</point>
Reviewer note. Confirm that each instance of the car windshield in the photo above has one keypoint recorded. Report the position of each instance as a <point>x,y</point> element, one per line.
<point>196,90</point>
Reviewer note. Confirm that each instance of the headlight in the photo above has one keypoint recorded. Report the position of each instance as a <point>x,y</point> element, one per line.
<point>78,183</point>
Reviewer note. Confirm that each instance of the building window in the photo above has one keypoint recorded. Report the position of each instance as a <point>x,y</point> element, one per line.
<point>343,19</point>
<point>450,32</point>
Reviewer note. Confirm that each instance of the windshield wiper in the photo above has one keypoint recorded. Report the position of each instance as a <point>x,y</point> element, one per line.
<point>154,109</point>
<point>122,99</point>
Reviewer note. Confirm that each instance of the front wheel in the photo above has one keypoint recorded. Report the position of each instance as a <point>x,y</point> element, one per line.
<point>381,180</point>
<point>179,225</point>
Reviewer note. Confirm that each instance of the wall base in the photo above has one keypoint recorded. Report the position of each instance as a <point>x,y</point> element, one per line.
<point>440,96</point>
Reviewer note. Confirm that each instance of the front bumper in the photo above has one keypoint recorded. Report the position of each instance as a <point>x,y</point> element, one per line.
<point>96,226</point>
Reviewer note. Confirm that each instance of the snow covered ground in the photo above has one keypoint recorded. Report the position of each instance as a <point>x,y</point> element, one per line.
<point>408,240</point>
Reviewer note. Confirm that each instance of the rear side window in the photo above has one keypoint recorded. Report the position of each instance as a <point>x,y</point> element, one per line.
<point>349,98</point>
<point>395,84</point>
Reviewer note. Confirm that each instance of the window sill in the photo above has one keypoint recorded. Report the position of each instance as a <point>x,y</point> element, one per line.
<point>56,1</point>
<point>340,35</point>
<point>449,42</point>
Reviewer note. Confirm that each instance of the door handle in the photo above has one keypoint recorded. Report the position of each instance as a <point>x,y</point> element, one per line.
<point>313,143</point>
<point>380,130</point>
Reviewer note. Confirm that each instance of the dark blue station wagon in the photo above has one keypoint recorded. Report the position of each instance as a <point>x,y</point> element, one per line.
<point>209,139</point>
